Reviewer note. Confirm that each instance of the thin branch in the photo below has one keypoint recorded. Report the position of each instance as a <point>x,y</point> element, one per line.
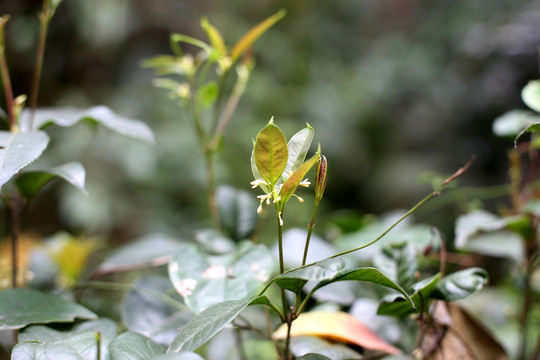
<point>435,193</point>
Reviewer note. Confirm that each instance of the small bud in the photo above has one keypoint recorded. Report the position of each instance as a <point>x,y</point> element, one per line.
<point>320,179</point>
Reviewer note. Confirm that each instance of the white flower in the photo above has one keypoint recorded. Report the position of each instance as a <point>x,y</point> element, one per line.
<point>256,183</point>
<point>305,183</point>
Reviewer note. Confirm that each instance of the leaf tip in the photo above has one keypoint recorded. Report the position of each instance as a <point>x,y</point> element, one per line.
<point>204,22</point>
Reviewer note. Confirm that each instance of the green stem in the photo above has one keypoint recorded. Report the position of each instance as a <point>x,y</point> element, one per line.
<point>277,311</point>
<point>217,105</point>
<point>527,296</point>
<point>208,155</point>
<point>281,262</point>
<point>15,208</point>
<point>311,226</point>
<point>211,189</point>
<point>230,108</point>
<point>240,344</point>
<point>454,196</point>
<point>286,312</point>
<point>304,303</point>
<point>44,18</point>
<point>104,285</point>
<point>406,215</point>
<point>435,193</point>
<point>98,342</point>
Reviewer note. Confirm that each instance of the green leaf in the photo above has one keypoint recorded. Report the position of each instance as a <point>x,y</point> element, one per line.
<point>183,355</point>
<point>69,116</point>
<point>312,347</point>
<point>398,261</point>
<point>252,35</point>
<point>531,95</point>
<point>18,151</point>
<point>298,147</point>
<point>313,356</point>
<point>216,40</point>
<point>134,346</point>
<point>321,270</point>
<point>365,274</point>
<point>146,251</point>
<point>418,235</point>
<point>209,322</point>
<point>190,40</point>
<point>292,182</point>
<point>106,327</point>
<point>513,122</point>
<point>81,346</point>
<point>165,65</point>
<point>531,128</point>
<point>204,280</point>
<point>22,307</point>
<point>256,174</point>
<point>150,315</point>
<point>260,350</point>
<point>270,153</point>
<point>460,284</point>
<point>30,182</point>
<point>214,242</point>
<point>485,233</point>
<point>396,305</point>
<point>208,93</point>
<point>237,210</point>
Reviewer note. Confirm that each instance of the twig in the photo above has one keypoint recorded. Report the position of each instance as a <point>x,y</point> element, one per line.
<point>435,193</point>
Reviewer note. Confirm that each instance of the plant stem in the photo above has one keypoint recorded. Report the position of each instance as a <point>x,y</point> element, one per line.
<point>290,318</point>
<point>211,189</point>
<point>217,105</point>
<point>527,297</point>
<point>15,208</point>
<point>524,328</point>
<point>44,19</point>
<point>286,312</point>
<point>311,226</point>
<point>230,107</point>
<point>98,342</point>
<point>436,192</point>
<point>207,153</point>
<point>5,76</point>
<point>281,262</point>
<point>239,344</point>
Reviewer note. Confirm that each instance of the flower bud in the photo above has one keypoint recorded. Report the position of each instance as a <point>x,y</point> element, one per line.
<point>320,179</point>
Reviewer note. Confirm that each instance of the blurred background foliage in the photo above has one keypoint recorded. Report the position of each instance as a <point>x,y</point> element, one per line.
<point>392,88</point>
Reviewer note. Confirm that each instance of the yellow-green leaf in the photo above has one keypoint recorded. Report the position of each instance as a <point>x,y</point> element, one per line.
<point>271,152</point>
<point>216,40</point>
<point>292,182</point>
<point>252,35</point>
<point>338,326</point>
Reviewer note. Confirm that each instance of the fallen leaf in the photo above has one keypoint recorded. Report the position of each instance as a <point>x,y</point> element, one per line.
<point>459,336</point>
<point>338,326</point>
